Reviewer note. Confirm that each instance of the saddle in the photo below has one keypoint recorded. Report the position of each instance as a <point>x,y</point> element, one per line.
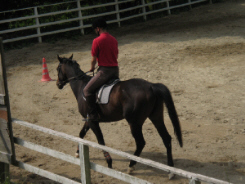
<point>104,92</point>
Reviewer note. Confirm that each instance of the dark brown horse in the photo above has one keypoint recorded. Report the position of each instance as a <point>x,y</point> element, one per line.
<point>133,100</point>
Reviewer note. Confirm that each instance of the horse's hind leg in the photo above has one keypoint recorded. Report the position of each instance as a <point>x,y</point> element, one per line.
<point>136,130</point>
<point>161,128</point>
<point>157,119</point>
<point>97,131</point>
<point>82,134</point>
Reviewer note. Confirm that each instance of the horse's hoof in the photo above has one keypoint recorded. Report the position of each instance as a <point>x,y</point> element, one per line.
<point>130,170</point>
<point>77,155</point>
<point>171,176</point>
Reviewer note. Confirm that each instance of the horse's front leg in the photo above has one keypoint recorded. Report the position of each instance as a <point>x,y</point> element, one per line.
<point>82,134</point>
<point>94,125</point>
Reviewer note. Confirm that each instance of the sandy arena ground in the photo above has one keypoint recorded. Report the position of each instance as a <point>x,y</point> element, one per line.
<point>199,55</point>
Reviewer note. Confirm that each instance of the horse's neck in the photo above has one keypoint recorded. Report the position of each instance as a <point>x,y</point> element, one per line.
<point>77,87</point>
<point>79,82</point>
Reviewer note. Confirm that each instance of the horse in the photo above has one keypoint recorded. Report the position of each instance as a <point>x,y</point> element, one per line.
<point>134,100</point>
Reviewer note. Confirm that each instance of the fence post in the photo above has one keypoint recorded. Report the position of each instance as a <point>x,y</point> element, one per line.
<point>169,12</point>
<point>143,9</point>
<point>118,14</point>
<point>38,24</point>
<point>194,181</point>
<point>189,1</point>
<point>4,172</point>
<point>85,164</point>
<point>80,16</point>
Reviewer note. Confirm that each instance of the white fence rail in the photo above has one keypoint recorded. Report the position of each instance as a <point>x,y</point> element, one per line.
<point>81,19</point>
<point>86,165</point>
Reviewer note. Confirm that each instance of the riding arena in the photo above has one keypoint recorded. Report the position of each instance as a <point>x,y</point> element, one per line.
<point>198,54</point>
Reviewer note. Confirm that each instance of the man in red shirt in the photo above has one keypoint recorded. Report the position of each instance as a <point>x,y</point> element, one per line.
<point>104,52</point>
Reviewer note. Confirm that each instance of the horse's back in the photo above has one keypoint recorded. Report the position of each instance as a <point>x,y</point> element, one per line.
<point>136,87</point>
<point>130,98</point>
<point>136,96</point>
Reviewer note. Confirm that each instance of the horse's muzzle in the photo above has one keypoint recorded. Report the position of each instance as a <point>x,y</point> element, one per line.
<point>59,84</point>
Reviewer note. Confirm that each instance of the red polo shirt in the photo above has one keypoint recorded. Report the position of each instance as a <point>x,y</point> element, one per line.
<point>105,48</point>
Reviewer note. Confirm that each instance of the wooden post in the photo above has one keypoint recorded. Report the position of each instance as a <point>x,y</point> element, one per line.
<point>118,14</point>
<point>143,9</point>
<point>189,1</point>
<point>4,172</point>
<point>38,24</point>
<point>85,164</point>
<point>80,16</point>
<point>194,181</point>
<point>169,12</point>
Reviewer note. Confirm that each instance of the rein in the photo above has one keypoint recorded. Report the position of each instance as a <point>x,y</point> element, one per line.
<point>76,77</point>
<point>73,78</point>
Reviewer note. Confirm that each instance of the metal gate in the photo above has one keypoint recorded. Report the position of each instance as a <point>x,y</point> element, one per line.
<point>7,152</point>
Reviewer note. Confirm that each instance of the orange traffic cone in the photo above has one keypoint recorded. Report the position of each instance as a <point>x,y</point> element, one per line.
<point>45,74</point>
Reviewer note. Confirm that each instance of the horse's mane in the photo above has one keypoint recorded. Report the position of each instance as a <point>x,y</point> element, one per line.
<point>69,61</point>
<point>77,68</point>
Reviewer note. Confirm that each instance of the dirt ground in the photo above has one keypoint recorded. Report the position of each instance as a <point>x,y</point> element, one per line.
<point>199,55</point>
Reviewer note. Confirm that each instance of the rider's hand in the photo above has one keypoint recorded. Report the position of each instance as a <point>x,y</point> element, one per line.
<point>92,69</point>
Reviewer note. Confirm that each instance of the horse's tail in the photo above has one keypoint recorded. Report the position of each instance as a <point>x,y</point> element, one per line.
<point>163,93</point>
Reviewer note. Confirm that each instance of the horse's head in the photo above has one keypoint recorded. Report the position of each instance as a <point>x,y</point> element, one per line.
<point>69,70</point>
<point>62,71</point>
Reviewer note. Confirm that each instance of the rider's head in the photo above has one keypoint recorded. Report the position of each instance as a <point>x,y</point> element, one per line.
<point>99,25</point>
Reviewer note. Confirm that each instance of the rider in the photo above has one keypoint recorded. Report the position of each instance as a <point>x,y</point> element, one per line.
<point>105,52</point>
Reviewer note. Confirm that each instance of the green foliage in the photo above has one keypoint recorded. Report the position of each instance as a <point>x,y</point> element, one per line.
<point>23,23</point>
<point>47,6</point>
<point>7,181</point>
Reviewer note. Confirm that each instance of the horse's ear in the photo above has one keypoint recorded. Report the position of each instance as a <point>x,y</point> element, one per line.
<point>59,58</point>
<point>71,57</point>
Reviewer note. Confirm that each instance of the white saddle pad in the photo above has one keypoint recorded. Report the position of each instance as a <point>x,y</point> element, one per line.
<point>104,93</point>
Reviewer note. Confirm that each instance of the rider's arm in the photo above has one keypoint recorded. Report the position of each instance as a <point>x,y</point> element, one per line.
<point>93,63</point>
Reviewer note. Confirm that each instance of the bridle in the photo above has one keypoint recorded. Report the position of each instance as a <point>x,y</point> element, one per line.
<point>64,82</point>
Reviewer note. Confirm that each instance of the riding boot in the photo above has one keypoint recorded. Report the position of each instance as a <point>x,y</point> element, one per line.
<point>92,109</point>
